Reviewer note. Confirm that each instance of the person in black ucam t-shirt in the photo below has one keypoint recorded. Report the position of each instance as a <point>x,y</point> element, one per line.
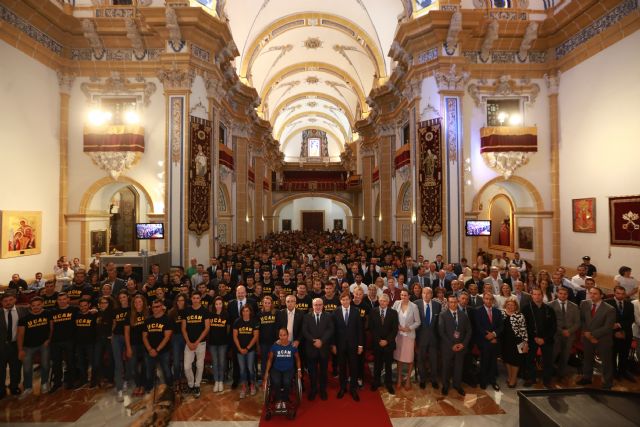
<point>84,338</point>
<point>133,340</point>
<point>118,346</point>
<point>268,331</point>
<point>62,343</point>
<point>218,342</point>
<point>102,365</point>
<point>245,338</point>
<point>195,328</point>
<point>34,334</point>
<point>156,338</point>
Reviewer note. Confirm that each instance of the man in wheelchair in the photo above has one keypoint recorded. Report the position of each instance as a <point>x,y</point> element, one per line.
<point>281,358</point>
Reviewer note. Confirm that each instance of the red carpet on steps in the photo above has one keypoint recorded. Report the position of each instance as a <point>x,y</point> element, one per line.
<point>334,412</point>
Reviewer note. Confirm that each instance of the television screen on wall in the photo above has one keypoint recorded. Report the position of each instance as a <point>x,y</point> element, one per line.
<point>147,231</point>
<point>478,228</point>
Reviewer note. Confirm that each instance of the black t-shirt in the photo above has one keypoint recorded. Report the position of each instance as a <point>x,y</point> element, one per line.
<point>304,304</point>
<point>364,308</point>
<point>331,305</point>
<point>218,329</point>
<point>137,327</point>
<point>36,328</point>
<point>267,288</point>
<point>268,327</point>
<point>50,302</point>
<point>120,319</point>
<point>155,328</point>
<point>289,288</point>
<point>245,331</point>
<point>177,319</point>
<point>104,323</point>
<point>63,328</point>
<point>196,321</point>
<point>76,292</point>
<point>85,327</point>
<point>207,301</point>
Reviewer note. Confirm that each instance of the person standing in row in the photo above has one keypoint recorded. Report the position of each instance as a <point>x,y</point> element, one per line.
<point>598,319</point>
<point>84,321</point>
<point>455,334</point>
<point>409,321</point>
<point>383,324</point>
<point>541,328</point>
<point>118,346</point>
<point>488,327</point>
<point>348,344</point>
<point>246,334</point>
<point>133,340</point>
<point>317,330</point>
<point>568,323</point>
<point>34,336</point>
<point>156,337</point>
<point>9,343</point>
<point>268,331</point>
<point>218,342</point>
<point>62,340</point>
<point>195,328</point>
<point>427,337</point>
<point>176,316</point>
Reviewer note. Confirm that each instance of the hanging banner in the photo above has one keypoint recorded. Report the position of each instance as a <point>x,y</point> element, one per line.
<point>200,143</point>
<point>430,176</point>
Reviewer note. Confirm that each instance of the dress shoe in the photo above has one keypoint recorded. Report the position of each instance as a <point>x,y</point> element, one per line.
<point>354,395</point>
<point>374,387</point>
<point>460,391</point>
<point>423,384</point>
<point>323,395</point>
<point>435,385</point>
<point>390,389</point>
<point>312,396</point>
<point>445,391</point>
<point>340,394</point>
<point>16,391</point>
<point>234,385</point>
<point>583,381</point>
<point>495,386</point>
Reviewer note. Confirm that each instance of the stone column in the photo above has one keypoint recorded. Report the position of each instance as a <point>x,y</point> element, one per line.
<point>65,83</point>
<point>387,150</point>
<point>268,209</point>
<point>215,95</point>
<point>241,162</point>
<point>258,197</point>
<point>367,189</point>
<point>413,92</point>
<point>553,88</point>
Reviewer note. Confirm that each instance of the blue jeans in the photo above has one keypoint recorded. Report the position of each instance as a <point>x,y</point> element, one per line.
<point>177,354</point>
<point>218,361</point>
<point>151,364</point>
<point>247,367</point>
<point>281,384</point>
<point>27,365</point>
<point>135,365</point>
<point>118,349</point>
<point>102,366</point>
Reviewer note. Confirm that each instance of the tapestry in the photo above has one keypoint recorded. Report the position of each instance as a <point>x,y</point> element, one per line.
<point>624,220</point>
<point>430,176</point>
<point>584,215</point>
<point>21,233</point>
<point>201,134</point>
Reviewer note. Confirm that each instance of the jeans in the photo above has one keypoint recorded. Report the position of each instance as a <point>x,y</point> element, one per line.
<point>84,356</point>
<point>247,367</point>
<point>62,352</point>
<point>218,361</point>
<point>189,355</point>
<point>27,365</point>
<point>151,364</point>
<point>177,353</point>
<point>281,384</point>
<point>118,349</point>
<point>136,364</point>
<point>102,366</point>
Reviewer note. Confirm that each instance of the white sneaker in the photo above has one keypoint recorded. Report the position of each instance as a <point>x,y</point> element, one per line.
<point>125,386</point>
<point>120,396</point>
<point>44,389</point>
<point>26,393</point>
<point>218,387</point>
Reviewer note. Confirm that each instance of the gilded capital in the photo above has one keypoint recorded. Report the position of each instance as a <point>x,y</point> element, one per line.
<point>553,83</point>
<point>65,82</point>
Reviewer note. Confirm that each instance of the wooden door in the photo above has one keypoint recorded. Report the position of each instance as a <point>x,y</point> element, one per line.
<point>312,221</point>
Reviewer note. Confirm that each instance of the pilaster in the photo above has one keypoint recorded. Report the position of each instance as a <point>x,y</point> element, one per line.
<point>553,88</point>
<point>367,190</point>
<point>258,198</point>
<point>65,83</point>
<point>241,156</point>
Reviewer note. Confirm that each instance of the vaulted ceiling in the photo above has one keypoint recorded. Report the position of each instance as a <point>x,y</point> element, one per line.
<point>312,62</point>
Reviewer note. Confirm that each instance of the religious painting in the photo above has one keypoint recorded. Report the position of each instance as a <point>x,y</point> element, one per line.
<point>337,224</point>
<point>98,241</point>
<point>525,238</point>
<point>201,137</point>
<point>430,177</point>
<point>21,233</point>
<point>584,215</point>
<point>624,220</point>
<point>501,216</point>
<point>286,225</point>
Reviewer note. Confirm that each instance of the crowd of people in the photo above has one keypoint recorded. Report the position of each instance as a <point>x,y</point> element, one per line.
<point>309,304</point>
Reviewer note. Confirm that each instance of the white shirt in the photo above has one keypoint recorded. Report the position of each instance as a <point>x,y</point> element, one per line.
<point>290,317</point>
<point>362,286</point>
<point>345,312</point>
<point>14,320</point>
<point>577,282</point>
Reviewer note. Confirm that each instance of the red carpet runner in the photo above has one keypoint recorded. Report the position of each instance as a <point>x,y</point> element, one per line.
<point>334,412</point>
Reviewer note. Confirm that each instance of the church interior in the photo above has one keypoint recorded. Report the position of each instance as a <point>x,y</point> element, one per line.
<point>172,132</point>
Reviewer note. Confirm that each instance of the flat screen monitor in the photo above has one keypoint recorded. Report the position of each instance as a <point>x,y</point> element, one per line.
<point>478,228</point>
<point>146,231</point>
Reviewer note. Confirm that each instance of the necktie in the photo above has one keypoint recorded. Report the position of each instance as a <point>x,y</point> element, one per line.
<point>10,327</point>
<point>490,315</point>
<point>346,316</point>
<point>427,315</point>
<point>620,306</point>
<point>593,310</point>
<point>564,309</point>
<point>382,317</point>
<point>455,318</point>
<point>240,308</point>
<point>317,319</point>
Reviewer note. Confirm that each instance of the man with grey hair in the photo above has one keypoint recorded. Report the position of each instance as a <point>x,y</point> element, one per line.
<point>383,324</point>
<point>494,279</point>
<point>427,337</point>
<point>317,330</point>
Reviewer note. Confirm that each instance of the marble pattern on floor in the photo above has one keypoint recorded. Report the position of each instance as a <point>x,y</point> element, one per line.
<point>225,406</point>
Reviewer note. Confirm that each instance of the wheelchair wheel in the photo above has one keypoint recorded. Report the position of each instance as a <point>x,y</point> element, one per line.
<point>291,414</point>
<point>267,415</point>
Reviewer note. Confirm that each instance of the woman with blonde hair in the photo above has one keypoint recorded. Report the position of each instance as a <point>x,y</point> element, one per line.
<point>514,340</point>
<point>133,341</point>
<point>408,322</point>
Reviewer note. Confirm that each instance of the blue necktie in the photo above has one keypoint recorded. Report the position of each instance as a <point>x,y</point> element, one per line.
<point>427,315</point>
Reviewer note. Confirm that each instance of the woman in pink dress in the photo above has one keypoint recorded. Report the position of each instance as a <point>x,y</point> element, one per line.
<point>409,321</point>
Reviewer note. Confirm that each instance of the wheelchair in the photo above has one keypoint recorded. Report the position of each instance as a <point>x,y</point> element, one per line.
<point>289,408</point>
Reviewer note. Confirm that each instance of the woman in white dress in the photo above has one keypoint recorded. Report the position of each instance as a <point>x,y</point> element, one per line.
<point>409,321</point>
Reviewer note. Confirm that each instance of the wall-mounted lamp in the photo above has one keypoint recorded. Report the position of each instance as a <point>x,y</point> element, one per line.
<point>363,217</point>
<point>380,218</point>
<point>413,218</point>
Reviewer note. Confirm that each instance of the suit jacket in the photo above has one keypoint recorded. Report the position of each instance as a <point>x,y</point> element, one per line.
<point>510,282</point>
<point>384,331</point>
<point>545,328</point>
<point>571,319</point>
<point>416,279</point>
<point>323,331</point>
<point>22,312</point>
<point>348,335</point>
<point>525,299</point>
<point>232,309</point>
<point>482,324</point>
<point>475,302</point>
<point>601,324</point>
<point>478,282</point>
<point>436,284</point>
<point>212,272</point>
<point>490,280</point>
<point>370,277</point>
<point>447,328</point>
<point>298,319</point>
<point>404,270</point>
<point>427,334</point>
<point>626,318</point>
<point>412,319</point>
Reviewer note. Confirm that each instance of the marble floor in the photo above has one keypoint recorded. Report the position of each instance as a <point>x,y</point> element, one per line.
<point>412,408</point>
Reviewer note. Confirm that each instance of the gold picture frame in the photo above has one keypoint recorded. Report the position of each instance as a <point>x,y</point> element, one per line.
<point>21,233</point>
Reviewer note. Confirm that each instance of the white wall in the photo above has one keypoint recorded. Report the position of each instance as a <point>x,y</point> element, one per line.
<point>29,153</point>
<point>599,148</point>
<point>332,210</point>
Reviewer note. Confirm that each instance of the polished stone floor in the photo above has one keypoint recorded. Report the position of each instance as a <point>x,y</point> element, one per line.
<point>412,408</point>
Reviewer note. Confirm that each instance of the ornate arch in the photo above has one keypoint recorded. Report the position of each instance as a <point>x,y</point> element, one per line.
<point>532,190</point>
<point>223,199</point>
<point>312,95</point>
<point>310,113</point>
<point>284,144</point>
<point>403,195</point>
<point>277,206</point>
<point>88,195</point>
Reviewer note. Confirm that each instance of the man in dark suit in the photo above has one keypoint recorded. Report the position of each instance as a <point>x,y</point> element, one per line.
<point>383,324</point>
<point>441,282</point>
<point>622,333</point>
<point>475,278</point>
<point>409,270</point>
<point>348,344</point>
<point>597,319</point>
<point>487,328</point>
<point>427,337</point>
<point>317,330</point>
<point>454,330</point>
<point>291,319</point>
<point>568,323</point>
<point>523,298</point>
<point>475,299</point>
<point>512,278</point>
<point>8,343</point>
<point>421,278</point>
<point>541,329</point>
<point>233,311</point>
